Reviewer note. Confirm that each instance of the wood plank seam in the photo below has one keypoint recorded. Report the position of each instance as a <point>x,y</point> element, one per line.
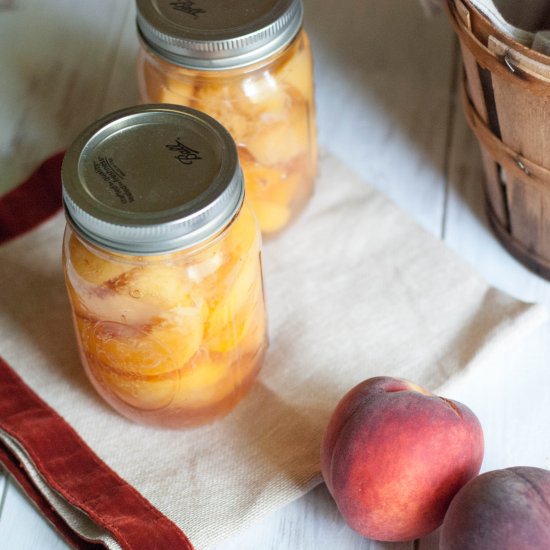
<point>116,49</point>
<point>451,117</point>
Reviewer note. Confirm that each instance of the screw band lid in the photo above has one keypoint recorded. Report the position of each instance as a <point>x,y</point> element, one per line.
<point>209,34</point>
<point>152,179</point>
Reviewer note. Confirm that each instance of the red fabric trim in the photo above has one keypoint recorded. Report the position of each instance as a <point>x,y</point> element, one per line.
<point>10,462</point>
<point>32,202</point>
<point>72,469</point>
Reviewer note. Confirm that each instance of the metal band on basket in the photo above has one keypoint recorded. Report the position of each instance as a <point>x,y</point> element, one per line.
<point>499,151</point>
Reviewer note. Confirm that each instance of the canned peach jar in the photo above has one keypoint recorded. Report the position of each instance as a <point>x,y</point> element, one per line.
<point>249,65</point>
<point>162,265</point>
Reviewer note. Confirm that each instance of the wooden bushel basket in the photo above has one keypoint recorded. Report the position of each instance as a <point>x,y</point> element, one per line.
<point>507,104</point>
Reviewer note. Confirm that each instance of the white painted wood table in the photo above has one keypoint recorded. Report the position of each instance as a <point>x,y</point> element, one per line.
<point>388,106</point>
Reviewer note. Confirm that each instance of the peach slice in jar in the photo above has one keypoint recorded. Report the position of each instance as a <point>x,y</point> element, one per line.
<point>137,293</point>
<point>162,286</point>
<point>296,71</point>
<point>236,291</point>
<point>276,143</point>
<point>194,385</point>
<point>177,90</point>
<point>238,288</point>
<point>268,183</point>
<point>260,97</point>
<point>255,339</point>
<point>226,331</point>
<point>243,235</point>
<point>88,272</point>
<point>219,99</point>
<point>161,82</point>
<point>214,273</point>
<point>149,349</point>
<point>273,216</point>
<point>274,191</point>
<point>90,264</point>
<point>207,386</point>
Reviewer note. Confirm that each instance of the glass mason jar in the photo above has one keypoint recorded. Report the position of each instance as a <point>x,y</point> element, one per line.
<point>162,265</point>
<point>250,67</point>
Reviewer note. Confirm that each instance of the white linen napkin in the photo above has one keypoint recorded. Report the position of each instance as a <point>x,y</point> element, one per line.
<point>354,289</point>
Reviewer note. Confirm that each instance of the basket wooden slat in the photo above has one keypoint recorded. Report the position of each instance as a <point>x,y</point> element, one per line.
<point>507,105</point>
<point>483,29</point>
<point>494,188</point>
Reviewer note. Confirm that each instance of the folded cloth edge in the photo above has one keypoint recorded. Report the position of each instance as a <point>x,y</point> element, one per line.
<point>15,469</point>
<point>72,470</point>
<point>18,471</point>
<point>33,201</point>
<point>73,517</point>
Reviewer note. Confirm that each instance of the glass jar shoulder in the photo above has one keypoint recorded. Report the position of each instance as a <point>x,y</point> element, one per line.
<point>288,71</point>
<point>89,265</point>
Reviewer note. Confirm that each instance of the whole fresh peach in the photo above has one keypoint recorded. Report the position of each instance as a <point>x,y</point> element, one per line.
<point>394,455</point>
<point>500,510</point>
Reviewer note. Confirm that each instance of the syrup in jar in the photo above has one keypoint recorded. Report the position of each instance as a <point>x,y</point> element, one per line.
<point>162,265</point>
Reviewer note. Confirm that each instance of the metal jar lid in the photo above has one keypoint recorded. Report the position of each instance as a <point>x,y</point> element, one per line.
<point>152,179</point>
<point>218,34</point>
